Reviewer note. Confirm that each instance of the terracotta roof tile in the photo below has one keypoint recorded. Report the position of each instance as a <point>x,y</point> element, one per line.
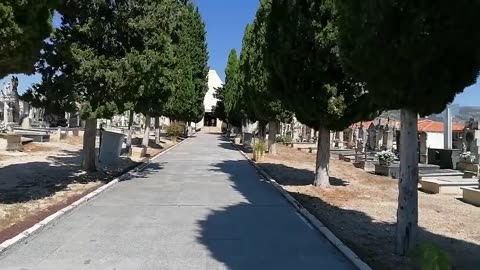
<point>427,125</point>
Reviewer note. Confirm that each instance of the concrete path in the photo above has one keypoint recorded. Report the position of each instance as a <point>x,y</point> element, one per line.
<point>200,206</point>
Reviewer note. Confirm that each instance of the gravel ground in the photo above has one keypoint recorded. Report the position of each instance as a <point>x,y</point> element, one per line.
<point>360,208</point>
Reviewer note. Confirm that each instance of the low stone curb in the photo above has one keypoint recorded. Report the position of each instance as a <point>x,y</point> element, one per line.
<point>346,251</point>
<point>35,228</point>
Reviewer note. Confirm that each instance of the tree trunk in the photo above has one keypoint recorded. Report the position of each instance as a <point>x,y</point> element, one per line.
<point>261,130</point>
<point>272,134</point>
<point>146,135</point>
<point>242,131</point>
<point>157,130</point>
<point>130,131</point>
<point>323,158</point>
<point>89,140</point>
<point>407,212</point>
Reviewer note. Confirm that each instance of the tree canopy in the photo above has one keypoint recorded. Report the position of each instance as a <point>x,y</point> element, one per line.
<point>24,25</point>
<point>256,79</point>
<point>302,55</point>
<point>191,78</point>
<point>234,95</point>
<point>413,54</point>
<point>109,56</point>
<point>416,56</point>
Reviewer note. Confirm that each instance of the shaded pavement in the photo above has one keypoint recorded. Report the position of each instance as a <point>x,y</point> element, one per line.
<point>200,206</point>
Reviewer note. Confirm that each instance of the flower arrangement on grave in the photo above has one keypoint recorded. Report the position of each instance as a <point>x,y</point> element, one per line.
<point>467,157</point>
<point>3,127</point>
<point>385,157</point>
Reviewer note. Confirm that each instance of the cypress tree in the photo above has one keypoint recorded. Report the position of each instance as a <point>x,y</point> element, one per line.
<point>257,79</point>
<point>24,25</point>
<point>302,56</point>
<point>104,52</point>
<point>234,102</point>
<point>414,56</point>
<point>186,102</point>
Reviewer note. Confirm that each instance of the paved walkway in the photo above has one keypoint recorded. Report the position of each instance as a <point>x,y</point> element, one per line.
<point>200,206</point>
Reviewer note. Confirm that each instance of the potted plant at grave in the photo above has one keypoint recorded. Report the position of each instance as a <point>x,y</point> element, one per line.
<point>385,157</point>
<point>259,149</point>
<point>467,157</point>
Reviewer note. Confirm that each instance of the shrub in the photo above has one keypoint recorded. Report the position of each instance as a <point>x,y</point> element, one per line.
<point>284,139</point>
<point>260,146</point>
<point>175,130</point>
<point>431,257</point>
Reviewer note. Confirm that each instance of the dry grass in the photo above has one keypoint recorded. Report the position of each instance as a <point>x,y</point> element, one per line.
<point>77,140</point>
<point>37,147</point>
<point>11,214</point>
<point>360,208</point>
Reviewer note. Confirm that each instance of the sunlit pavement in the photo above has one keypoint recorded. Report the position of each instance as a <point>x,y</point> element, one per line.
<point>200,206</point>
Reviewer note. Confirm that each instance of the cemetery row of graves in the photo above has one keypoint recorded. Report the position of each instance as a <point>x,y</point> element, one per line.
<point>125,69</point>
<point>329,64</point>
<point>53,148</point>
<point>335,66</point>
<point>41,160</point>
<point>360,205</point>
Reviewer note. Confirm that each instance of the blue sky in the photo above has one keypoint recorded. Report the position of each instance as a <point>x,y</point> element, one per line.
<point>226,21</point>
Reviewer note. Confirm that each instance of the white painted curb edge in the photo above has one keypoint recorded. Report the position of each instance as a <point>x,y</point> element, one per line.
<point>10,242</point>
<point>346,251</point>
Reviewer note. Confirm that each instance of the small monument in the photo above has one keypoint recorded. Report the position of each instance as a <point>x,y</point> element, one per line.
<point>10,101</point>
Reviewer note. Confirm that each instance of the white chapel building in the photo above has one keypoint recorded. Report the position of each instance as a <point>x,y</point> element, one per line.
<point>209,123</point>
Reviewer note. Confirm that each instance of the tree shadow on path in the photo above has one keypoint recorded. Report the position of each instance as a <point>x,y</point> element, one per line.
<point>258,229</point>
<point>257,233</point>
<point>35,180</point>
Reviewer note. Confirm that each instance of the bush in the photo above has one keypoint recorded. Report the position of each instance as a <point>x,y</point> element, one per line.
<point>260,146</point>
<point>284,139</point>
<point>175,130</point>
<point>431,257</point>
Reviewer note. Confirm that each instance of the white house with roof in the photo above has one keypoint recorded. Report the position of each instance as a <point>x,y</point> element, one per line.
<point>209,123</point>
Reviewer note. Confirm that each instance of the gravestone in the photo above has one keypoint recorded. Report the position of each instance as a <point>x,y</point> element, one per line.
<point>445,158</point>
<point>378,137</point>
<point>371,137</point>
<point>26,122</point>
<point>423,149</point>
<point>14,142</point>
<point>388,138</point>
<point>137,152</point>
